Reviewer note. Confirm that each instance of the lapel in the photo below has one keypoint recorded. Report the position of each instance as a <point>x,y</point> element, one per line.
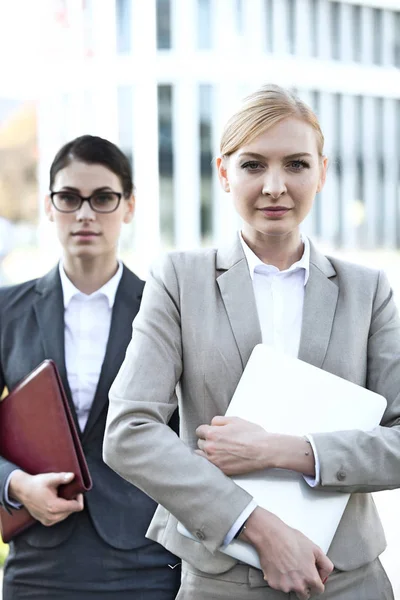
<point>320,300</point>
<point>126,307</point>
<point>49,311</point>
<point>234,281</point>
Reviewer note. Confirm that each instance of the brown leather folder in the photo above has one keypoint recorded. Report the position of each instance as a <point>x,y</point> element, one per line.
<point>38,433</point>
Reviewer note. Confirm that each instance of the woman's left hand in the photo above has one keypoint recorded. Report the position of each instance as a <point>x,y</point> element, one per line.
<point>235,446</point>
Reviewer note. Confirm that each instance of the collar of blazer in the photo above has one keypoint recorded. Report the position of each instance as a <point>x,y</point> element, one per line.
<point>320,301</point>
<point>49,310</point>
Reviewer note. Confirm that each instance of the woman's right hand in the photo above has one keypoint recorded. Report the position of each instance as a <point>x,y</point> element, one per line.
<point>290,561</point>
<point>38,494</point>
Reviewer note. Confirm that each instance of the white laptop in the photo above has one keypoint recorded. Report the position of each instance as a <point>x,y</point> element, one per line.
<point>286,395</point>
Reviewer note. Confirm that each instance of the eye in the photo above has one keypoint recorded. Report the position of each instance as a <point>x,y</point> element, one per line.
<point>67,198</point>
<point>251,165</point>
<point>104,198</point>
<point>298,165</point>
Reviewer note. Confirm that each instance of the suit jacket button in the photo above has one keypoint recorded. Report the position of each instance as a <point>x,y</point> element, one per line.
<point>200,535</point>
<point>341,475</point>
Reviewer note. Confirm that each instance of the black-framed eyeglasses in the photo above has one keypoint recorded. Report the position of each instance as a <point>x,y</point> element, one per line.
<point>100,202</point>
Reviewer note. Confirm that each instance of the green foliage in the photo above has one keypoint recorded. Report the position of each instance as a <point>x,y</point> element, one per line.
<point>3,552</point>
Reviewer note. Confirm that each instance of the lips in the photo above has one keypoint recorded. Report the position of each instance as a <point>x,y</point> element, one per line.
<point>85,233</point>
<point>274,211</point>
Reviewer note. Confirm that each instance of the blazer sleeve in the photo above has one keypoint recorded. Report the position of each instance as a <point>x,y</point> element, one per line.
<point>6,467</point>
<point>139,445</point>
<point>356,461</point>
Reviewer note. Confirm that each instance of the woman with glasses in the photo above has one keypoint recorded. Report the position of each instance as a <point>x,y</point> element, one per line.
<point>80,315</point>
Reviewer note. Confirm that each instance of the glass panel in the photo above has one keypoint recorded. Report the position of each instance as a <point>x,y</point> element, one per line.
<point>123,17</point>
<point>269,8</point>
<point>338,165</point>
<point>381,212</point>
<point>377,41</point>
<point>397,39</point>
<point>314,16</point>
<point>204,30</point>
<point>239,17</point>
<point>166,165</point>
<point>125,120</point>
<point>357,33</point>
<point>291,17</point>
<point>206,159</point>
<point>335,30</point>
<point>163,24</point>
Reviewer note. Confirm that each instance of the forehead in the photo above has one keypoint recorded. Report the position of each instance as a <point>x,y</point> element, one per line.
<point>86,177</point>
<point>290,136</point>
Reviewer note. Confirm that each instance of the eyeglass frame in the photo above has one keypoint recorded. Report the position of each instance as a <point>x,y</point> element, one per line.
<point>86,199</point>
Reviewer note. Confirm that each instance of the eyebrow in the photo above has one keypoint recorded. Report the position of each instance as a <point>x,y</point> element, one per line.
<point>74,189</point>
<point>289,156</point>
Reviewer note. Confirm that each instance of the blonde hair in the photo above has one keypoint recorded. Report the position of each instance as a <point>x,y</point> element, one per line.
<point>261,110</point>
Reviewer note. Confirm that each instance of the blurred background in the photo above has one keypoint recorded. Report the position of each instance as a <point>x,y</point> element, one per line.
<point>159,78</point>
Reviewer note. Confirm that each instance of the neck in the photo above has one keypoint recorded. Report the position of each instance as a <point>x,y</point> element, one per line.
<point>281,251</point>
<point>89,275</point>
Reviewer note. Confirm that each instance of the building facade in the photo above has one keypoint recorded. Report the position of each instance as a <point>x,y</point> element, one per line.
<point>159,77</point>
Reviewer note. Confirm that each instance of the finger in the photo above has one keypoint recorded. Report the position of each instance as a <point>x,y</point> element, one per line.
<point>218,420</point>
<point>80,501</point>
<point>202,431</point>
<point>201,444</point>
<point>56,479</point>
<point>306,595</point>
<point>324,566</point>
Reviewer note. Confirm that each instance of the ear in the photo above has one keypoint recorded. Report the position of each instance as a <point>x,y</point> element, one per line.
<point>48,208</point>
<point>322,176</point>
<point>129,209</point>
<point>223,173</point>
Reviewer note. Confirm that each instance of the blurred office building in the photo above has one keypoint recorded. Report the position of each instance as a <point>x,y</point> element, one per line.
<point>160,77</point>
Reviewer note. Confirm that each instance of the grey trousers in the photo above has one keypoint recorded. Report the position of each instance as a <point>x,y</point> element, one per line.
<point>369,582</point>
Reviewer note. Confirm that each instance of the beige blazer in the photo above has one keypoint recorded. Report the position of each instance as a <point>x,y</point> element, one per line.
<point>192,339</point>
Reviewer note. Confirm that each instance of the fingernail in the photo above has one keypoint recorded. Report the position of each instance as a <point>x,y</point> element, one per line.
<point>68,476</point>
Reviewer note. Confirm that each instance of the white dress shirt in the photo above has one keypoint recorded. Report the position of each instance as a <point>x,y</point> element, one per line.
<point>87,321</point>
<point>279,299</point>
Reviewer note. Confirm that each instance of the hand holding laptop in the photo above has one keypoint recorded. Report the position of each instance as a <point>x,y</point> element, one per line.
<point>287,398</point>
<point>237,446</point>
<point>289,560</point>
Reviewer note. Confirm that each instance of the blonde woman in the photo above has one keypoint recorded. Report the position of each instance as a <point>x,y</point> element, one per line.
<point>202,314</point>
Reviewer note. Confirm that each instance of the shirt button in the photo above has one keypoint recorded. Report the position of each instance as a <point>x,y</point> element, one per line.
<point>200,535</point>
<point>341,475</point>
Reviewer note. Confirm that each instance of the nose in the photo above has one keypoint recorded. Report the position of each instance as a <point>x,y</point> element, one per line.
<point>85,213</point>
<point>274,184</point>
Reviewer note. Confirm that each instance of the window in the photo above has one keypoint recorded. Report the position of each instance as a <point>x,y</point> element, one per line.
<point>163,24</point>
<point>239,16</point>
<point>377,38</point>
<point>123,14</point>
<point>357,33</point>
<point>291,19</point>
<point>397,40</point>
<point>125,120</point>
<point>379,129</point>
<point>204,20</point>
<point>269,8</point>
<point>335,30</point>
<point>206,182</point>
<point>166,164</point>
<point>315,18</point>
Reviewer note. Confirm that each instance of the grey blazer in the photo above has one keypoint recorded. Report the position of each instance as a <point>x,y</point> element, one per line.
<point>192,339</point>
